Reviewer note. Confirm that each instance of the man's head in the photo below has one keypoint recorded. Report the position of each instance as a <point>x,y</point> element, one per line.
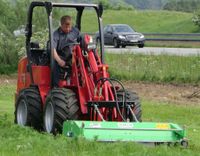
<point>66,23</point>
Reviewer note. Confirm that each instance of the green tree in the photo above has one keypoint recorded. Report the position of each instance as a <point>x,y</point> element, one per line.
<point>7,15</point>
<point>8,55</point>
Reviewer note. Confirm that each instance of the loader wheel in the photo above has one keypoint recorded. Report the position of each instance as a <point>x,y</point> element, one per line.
<point>132,96</point>
<point>61,105</point>
<point>28,110</point>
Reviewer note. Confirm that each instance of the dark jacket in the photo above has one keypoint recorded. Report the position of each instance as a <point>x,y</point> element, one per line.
<point>62,41</point>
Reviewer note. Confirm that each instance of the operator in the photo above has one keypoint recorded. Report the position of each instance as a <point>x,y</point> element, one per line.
<point>63,39</point>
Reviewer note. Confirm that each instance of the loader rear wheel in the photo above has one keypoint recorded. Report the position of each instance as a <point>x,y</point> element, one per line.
<point>28,110</point>
<point>61,105</point>
<point>131,96</point>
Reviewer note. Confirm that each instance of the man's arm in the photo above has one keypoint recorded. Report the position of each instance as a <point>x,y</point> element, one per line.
<point>58,59</point>
<point>55,44</point>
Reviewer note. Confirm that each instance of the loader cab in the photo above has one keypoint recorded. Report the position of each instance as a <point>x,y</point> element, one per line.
<point>42,55</point>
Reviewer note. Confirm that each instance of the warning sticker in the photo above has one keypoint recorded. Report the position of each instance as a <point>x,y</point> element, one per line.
<point>95,125</point>
<point>125,125</point>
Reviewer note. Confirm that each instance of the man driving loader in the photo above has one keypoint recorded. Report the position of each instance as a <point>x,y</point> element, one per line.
<point>63,39</point>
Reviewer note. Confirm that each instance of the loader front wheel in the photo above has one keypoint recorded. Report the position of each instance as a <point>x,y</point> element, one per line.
<point>61,105</point>
<point>131,96</point>
<point>28,110</point>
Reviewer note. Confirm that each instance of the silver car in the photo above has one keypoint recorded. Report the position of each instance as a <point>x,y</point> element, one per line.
<point>121,35</point>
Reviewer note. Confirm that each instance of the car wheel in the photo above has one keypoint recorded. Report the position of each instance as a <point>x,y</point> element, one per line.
<point>116,45</point>
<point>141,45</point>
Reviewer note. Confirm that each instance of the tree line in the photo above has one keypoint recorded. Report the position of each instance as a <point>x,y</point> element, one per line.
<point>183,5</point>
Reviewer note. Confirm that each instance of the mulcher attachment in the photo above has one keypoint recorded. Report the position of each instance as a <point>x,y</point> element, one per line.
<point>146,132</point>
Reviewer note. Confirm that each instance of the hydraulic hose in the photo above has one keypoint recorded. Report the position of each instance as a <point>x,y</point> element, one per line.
<point>115,92</point>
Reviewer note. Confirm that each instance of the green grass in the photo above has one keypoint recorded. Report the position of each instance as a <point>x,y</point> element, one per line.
<point>15,140</point>
<point>161,68</point>
<point>144,21</point>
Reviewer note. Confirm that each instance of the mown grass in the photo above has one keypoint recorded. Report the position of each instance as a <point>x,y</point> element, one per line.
<point>155,68</point>
<point>15,140</point>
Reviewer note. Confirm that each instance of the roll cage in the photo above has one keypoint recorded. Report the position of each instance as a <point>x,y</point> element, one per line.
<point>49,8</point>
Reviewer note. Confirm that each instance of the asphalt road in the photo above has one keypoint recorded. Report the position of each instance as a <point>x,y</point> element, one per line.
<point>154,51</point>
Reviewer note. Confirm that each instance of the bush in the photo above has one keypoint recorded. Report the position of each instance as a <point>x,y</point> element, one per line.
<point>8,55</point>
<point>196,18</point>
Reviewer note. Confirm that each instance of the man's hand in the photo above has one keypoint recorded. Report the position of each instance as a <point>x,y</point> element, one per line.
<point>61,63</point>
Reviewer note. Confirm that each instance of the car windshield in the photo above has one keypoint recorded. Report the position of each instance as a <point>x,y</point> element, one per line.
<point>123,28</point>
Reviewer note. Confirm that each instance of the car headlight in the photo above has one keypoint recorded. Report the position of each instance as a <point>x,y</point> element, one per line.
<point>142,36</point>
<point>122,37</point>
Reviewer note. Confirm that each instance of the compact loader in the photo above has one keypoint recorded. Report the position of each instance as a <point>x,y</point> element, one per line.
<point>89,103</point>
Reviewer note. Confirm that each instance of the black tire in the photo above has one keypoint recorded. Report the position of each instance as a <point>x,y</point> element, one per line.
<point>141,45</point>
<point>28,110</point>
<point>184,143</point>
<point>115,43</point>
<point>123,46</point>
<point>61,105</point>
<point>131,96</point>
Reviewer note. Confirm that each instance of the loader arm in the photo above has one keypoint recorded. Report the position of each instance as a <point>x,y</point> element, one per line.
<point>87,70</point>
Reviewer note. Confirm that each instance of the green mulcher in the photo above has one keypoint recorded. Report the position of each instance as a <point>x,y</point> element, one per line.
<point>145,132</point>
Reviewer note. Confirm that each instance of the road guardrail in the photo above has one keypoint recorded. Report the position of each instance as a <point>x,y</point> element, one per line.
<point>177,37</point>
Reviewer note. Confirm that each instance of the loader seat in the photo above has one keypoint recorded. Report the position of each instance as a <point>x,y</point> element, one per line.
<point>39,56</point>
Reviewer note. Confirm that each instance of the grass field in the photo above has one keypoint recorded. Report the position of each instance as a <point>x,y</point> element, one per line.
<point>154,68</point>
<point>144,21</point>
<point>161,68</point>
<point>15,140</point>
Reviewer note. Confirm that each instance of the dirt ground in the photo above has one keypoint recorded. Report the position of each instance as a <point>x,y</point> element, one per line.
<point>177,94</point>
<point>5,80</point>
